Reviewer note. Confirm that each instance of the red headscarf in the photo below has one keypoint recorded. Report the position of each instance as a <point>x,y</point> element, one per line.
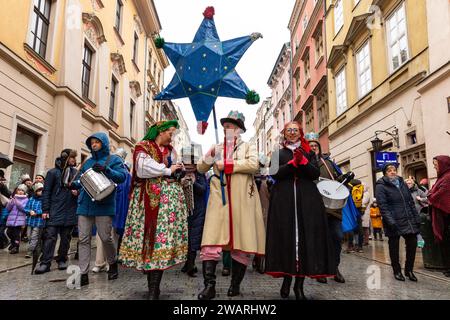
<point>304,144</point>
<point>439,196</point>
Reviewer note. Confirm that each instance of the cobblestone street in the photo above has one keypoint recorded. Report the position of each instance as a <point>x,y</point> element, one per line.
<point>19,284</point>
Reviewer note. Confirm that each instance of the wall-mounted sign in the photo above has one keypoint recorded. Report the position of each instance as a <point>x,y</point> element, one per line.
<point>383,158</point>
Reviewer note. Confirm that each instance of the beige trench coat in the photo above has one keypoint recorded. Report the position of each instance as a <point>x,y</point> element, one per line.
<point>248,233</point>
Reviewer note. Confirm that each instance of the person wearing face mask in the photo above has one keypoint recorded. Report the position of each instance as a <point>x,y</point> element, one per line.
<point>234,218</point>
<point>156,229</point>
<point>59,206</point>
<point>100,212</point>
<point>400,219</point>
<point>298,242</point>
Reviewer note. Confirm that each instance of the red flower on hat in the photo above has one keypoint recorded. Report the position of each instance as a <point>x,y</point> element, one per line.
<point>209,13</point>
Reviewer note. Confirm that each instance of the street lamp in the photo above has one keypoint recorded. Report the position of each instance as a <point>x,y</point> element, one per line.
<point>377,143</point>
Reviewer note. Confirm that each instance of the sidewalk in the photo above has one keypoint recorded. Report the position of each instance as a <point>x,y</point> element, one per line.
<point>379,251</point>
<point>10,262</point>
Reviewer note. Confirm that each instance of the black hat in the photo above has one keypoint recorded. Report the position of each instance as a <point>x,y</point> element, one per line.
<point>235,117</point>
<point>387,165</point>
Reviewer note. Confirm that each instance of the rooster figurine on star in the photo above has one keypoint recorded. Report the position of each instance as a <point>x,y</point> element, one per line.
<point>205,69</point>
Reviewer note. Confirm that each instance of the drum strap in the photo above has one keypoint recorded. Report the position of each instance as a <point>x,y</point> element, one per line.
<point>326,166</point>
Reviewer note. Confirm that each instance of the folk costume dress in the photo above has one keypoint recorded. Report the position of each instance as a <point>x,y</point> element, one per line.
<point>156,231</point>
<point>241,227</point>
<point>298,243</point>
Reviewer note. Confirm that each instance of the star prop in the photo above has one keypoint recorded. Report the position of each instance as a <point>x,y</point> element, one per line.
<point>205,69</point>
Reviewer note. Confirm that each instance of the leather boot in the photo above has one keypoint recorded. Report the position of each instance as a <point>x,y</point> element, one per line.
<point>298,288</point>
<point>113,272</point>
<point>286,287</point>
<point>339,277</point>
<point>237,274</point>
<point>209,276</point>
<point>154,279</point>
<point>191,269</point>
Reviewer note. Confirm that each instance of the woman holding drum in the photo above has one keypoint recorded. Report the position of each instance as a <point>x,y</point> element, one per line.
<point>156,231</point>
<point>298,242</point>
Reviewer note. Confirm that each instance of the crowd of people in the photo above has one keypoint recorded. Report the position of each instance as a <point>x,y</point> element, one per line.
<point>223,205</point>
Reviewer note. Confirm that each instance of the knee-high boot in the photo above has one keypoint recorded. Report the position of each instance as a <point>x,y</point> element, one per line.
<point>209,276</point>
<point>237,274</point>
<point>298,288</point>
<point>154,279</point>
<point>286,287</point>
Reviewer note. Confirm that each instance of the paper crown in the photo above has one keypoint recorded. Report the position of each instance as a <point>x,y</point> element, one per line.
<point>312,136</point>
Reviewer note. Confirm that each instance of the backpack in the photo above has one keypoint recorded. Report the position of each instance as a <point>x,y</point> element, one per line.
<point>357,195</point>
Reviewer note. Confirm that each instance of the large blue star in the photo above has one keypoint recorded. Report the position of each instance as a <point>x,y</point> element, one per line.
<point>205,69</point>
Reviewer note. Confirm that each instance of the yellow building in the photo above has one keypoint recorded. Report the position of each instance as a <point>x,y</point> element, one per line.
<point>69,68</point>
<point>377,53</point>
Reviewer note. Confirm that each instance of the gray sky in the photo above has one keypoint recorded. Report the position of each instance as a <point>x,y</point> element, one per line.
<point>180,20</point>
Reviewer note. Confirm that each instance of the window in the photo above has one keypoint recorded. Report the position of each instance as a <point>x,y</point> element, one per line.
<point>305,22</point>
<point>150,60</point>
<point>338,16</point>
<point>24,155</point>
<point>309,118</point>
<point>132,106</point>
<point>364,70</point>
<point>135,48</point>
<point>306,68</point>
<point>341,92</point>
<point>411,138</point>
<point>86,78</point>
<point>119,6</point>
<point>397,38</point>
<point>40,26</point>
<point>322,108</point>
<point>112,99</point>
<point>318,41</point>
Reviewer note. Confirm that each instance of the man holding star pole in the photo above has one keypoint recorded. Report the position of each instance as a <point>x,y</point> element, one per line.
<point>238,225</point>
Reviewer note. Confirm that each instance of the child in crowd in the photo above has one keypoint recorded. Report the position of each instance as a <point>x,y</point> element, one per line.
<point>375,216</point>
<point>35,223</point>
<point>17,217</point>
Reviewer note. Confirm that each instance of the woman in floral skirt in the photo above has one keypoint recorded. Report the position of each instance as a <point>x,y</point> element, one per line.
<point>156,230</point>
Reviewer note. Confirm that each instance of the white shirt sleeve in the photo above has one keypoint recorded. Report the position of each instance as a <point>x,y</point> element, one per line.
<point>147,167</point>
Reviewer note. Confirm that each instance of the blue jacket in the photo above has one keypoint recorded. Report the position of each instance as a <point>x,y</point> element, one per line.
<point>197,219</point>
<point>35,204</point>
<point>122,203</point>
<point>115,170</point>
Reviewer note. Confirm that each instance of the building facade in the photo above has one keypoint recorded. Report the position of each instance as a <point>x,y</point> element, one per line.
<point>263,125</point>
<point>280,83</point>
<point>310,93</point>
<point>434,90</point>
<point>377,54</point>
<point>182,138</point>
<point>69,68</point>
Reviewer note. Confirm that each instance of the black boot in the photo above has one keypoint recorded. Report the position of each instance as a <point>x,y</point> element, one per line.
<point>209,276</point>
<point>154,279</point>
<point>237,274</point>
<point>113,272</point>
<point>191,269</point>
<point>298,288</point>
<point>339,277</point>
<point>84,281</point>
<point>286,287</point>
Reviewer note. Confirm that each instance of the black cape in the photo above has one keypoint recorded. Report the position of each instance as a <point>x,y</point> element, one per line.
<point>315,248</point>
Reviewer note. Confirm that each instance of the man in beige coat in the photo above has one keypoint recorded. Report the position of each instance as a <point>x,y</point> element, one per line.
<point>237,224</point>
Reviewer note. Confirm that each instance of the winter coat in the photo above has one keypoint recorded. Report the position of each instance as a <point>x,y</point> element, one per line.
<point>416,192</point>
<point>397,208</point>
<point>34,204</point>
<point>16,207</point>
<point>365,209</point>
<point>122,203</point>
<point>375,216</point>
<point>197,219</point>
<point>57,200</point>
<point>115,170</point>
<point>297,209</point>
<point>244,229</point>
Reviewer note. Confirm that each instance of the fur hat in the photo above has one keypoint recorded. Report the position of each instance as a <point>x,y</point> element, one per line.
<point>25,177</point>
<point>38,186</point>
<point>69,153</point>
<point>22,187</point>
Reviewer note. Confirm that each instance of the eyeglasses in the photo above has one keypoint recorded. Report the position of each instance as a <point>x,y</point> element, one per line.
<point>292,130</point>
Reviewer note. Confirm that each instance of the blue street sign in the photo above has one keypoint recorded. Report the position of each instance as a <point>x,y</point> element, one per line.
<point>383,158</point>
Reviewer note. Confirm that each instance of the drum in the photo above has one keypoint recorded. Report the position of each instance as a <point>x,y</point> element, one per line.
<point>96,185</point>
<point>334,194</point>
